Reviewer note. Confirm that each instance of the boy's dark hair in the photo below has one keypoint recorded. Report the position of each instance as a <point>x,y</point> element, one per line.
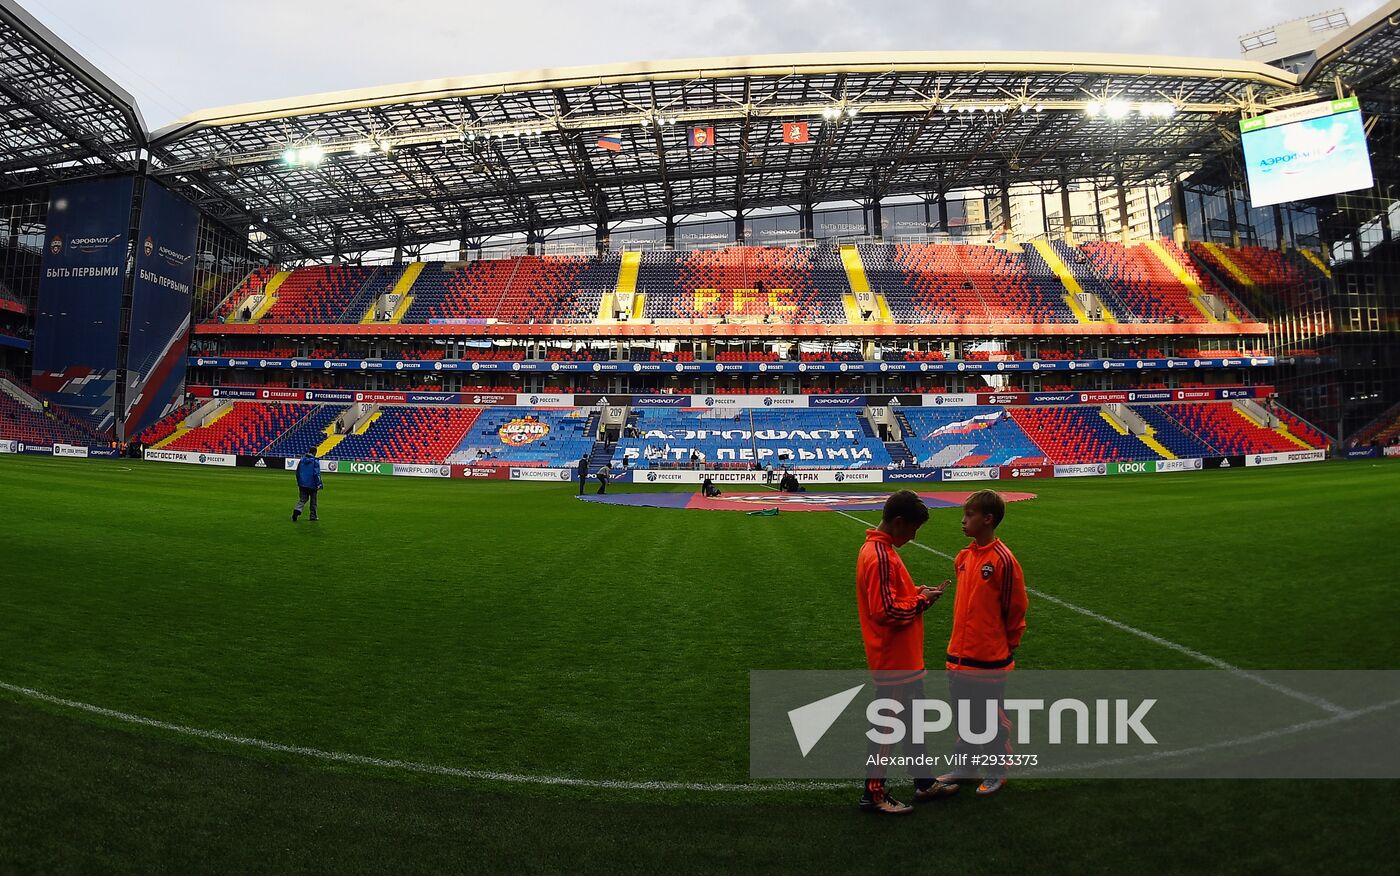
<point>907,506</point>
<point>987,502</point>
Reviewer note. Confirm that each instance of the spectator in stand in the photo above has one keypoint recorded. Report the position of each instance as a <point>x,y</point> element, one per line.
<point>308,485</point>
<point>694,459</point>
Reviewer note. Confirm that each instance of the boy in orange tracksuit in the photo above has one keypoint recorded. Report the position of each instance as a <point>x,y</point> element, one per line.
<point>891,611</point>
<point>989,616</point>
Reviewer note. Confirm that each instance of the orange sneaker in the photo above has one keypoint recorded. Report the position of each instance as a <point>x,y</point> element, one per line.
<point>991,785</point>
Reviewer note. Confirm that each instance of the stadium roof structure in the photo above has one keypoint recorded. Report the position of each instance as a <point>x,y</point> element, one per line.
<point>63,117</point>
<point>1364,58</point>
<point>483,155</point>
<point>511,153</point>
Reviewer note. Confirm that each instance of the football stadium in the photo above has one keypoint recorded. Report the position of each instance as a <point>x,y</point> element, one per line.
<point>477,473</point>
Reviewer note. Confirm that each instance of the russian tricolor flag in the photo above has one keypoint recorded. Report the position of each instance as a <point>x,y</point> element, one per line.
<point>611,141</point>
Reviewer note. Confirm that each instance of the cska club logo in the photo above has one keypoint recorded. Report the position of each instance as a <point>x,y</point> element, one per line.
<point>56,245</point>
<point>518,433</point>
<point>149,246</point>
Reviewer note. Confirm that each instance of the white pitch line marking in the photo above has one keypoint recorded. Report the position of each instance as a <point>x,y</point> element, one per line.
<point>414,766</point>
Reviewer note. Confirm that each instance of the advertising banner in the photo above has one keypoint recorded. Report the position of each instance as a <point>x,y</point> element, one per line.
<point>345,466</point>
<point>273,462</point>
<point>161,291</point>
<point>872,367</point>
<point>1393,450</point>
<point>417,470</point>
<point>1224,462</point>
<point>545,400</point>
<point>476,473</point>
<point>1003,398</point>
<point>542,474</point>
<point>82,274</point>
<point>906,475</point>
<point>1287,458</point>
<point>835,401</point>
<point>70,450</point>
<point>991,473</point>
<point>950,400</point>
<point>1027,471</point>
<point>1363,452</point>
<point>1147,466</point>
<point>1192,464</point>
<point>1086,469</point>
<point>191,457</point>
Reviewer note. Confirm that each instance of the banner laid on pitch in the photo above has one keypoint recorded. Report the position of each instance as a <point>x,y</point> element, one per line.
<point>160,308</point>
<point>80,297</point>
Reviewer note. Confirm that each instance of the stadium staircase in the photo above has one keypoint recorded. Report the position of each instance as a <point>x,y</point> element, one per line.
<point>259,303</point>
<point>242,428</point>
<point>179,430</point>
<point>600,455</point>
<point>309,434</point>
<point>1260,417</point>
<point>1078,434</point>
<point>368,303</point>
<point>402,292</point>
<point>861,291</point>
<point>1075,294</point>
<point>900,457</point>
<point>1383,429</point>
<point>1125,421</point>
<point>1212,310</point>
<point>1312,258</point>
<point>625,291</point>
<point>407,434</point>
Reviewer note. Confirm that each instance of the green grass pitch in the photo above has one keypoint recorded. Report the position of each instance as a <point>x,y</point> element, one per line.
<point>505,627</point>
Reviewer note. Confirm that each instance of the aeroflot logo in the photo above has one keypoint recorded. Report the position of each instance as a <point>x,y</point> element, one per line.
<point>1302,155</point>
<point>90,244</point>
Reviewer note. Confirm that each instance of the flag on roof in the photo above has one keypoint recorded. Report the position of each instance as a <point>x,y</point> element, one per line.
<point>611,141</point>
<point>795,133</point>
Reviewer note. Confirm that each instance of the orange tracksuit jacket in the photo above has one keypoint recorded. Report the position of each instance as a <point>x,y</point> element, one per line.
<point>989,608</point>
<point>891,612</point>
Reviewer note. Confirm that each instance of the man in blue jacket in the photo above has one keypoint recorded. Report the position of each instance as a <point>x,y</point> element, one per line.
<point>309,483</point>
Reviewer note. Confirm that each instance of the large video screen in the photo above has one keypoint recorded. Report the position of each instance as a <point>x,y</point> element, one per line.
<point>1306,152</point>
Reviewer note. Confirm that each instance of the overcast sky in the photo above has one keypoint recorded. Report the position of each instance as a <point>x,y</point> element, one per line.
<point>178,56</point>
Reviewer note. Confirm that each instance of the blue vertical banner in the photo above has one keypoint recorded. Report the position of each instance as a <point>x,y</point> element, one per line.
<point>77,327</point>
<point>159,337</point>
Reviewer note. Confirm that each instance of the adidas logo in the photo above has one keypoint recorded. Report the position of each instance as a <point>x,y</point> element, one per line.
<point>261,463</point>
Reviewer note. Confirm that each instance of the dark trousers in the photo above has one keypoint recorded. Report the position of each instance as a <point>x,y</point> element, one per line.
<point>984,690</point>
<point>905,693</point>
<point>582,479</point>
<point>305,495</point>
<point>602,486</point>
